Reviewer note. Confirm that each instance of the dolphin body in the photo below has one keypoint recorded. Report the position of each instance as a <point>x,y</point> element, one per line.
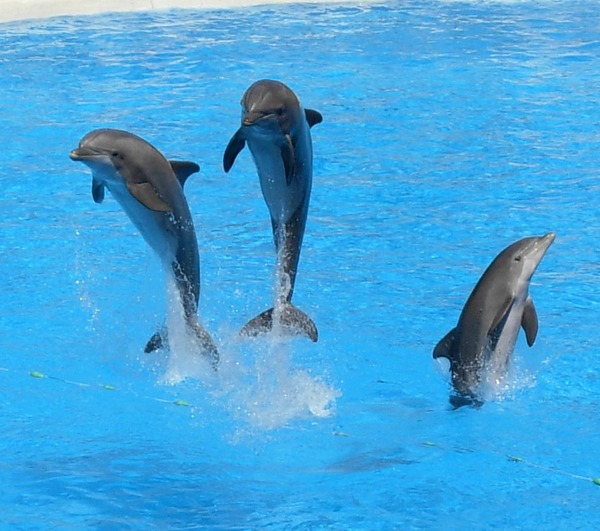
<point>150,191</point>
<point>277,130</point>
<point>487,329</point>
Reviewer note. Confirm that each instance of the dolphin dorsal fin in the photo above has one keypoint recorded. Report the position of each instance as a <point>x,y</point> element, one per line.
<point>235,145</point>
<point>183,169</point>
<point>97,190</point>
<point>147,196</point>
<point>529,321</point>
<point>444,348</point>
<point>313,117</point>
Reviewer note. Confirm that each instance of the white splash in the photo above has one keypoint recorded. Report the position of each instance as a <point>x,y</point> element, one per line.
<point>186,358</point>
<point>256,381</point>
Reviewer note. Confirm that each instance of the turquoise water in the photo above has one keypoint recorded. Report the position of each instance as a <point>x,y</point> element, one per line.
<point>450,130</point>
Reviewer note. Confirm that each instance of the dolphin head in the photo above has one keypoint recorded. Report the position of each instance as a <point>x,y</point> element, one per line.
<point>524,256</point>
<point>107,149</point>
<point>270,105</point>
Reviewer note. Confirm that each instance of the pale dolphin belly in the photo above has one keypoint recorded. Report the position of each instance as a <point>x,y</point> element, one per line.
<point>155,227</point>
<point>282,198</point>
<point>506,342</point>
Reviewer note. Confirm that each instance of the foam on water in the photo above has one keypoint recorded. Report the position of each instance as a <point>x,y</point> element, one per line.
<point>256,381</point>
<point>497,383</point>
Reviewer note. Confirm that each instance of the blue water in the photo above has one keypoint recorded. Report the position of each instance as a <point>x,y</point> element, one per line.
<point>451,129</point>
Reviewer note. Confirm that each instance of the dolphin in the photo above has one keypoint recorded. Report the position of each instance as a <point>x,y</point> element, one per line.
<point>149,189</point>
<point>277,130</point>
<point>487,328</point>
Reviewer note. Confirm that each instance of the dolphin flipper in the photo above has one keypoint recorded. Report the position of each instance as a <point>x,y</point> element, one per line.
<point>235,145</point>
<point>313,117</point>
<point>183,169</point>
<point>97,191</point>
<point>500,317</point>
<point>288,156</point>
<point>529,321</point>
<point>294,321</point>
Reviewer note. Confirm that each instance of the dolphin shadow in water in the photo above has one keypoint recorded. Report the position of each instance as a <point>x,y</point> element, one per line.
<point>277,130</point>
<point>149,188</point>
<point>484,338</point>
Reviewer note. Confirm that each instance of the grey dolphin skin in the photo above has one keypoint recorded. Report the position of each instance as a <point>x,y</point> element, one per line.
<point>277,130</point>
<point>488,326</point>
<point>150,191</point>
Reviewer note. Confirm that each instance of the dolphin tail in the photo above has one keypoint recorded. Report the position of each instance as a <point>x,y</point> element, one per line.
<point>209,349</point>
<point>294,321</point>
<point>458,400</point>
<point>157,341</point>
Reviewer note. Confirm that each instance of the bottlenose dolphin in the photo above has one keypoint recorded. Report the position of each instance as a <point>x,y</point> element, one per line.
<point>150,191</point>
<point>277,130</point>
<point>487,329</point>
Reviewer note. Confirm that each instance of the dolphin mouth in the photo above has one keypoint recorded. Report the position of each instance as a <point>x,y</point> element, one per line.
<point>249,122</point>
<point>255,118</point>
<point>82,153</point>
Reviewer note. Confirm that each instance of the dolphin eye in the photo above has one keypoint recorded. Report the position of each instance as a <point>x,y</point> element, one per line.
<point>280,110</point>
<point>116,155</point>
<point>518,258</point>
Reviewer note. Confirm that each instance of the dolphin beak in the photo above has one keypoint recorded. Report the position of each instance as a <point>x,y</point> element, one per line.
<point>550,236</point>
<point>251,118</point>
<point>248,121</point>
<point>82,153</point>
<point>540,246</point>
<point>548,239</point>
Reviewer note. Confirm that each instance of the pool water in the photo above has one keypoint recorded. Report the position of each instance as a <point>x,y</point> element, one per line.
<point>451,129</point>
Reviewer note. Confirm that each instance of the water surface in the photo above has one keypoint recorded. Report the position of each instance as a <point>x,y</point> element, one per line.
<point>450,130</point>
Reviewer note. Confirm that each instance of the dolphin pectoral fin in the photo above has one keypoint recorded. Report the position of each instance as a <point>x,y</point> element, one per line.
<point>313,117</point>
<point>495,328</point>
<point>293,321</point>
<point>288,156</point>
<point>147,195</point>
<point>157,341</point>
<point>235,145</point>
<point>209,349</point>
<point>183,169</point>
<point>444,348</point>
<point>97,191</point>
<point>529,321</point>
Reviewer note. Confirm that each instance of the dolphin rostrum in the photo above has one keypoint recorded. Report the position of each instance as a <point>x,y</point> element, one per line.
<point>150,191</point>
<point>487,329</point>
<point>277,130</point>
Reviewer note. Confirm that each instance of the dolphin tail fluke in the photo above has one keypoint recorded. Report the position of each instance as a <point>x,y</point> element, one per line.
<point>157,341</point>
<point>459,400</point>
<point>293,321</point>
<point>209,349</point>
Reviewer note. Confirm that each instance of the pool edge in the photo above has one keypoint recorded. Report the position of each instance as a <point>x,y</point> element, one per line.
<point>16,10</point>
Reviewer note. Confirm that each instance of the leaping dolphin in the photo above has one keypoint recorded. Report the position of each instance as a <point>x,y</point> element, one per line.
<point>277,130</point>
<point>488,326</point>
<point>150,191</point>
